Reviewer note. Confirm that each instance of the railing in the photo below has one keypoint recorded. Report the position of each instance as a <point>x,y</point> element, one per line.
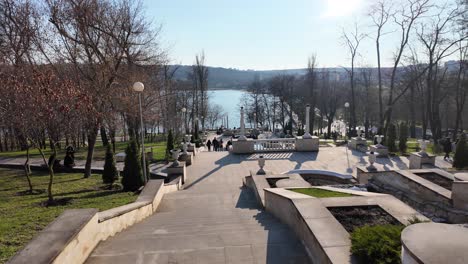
<point>271,145</point>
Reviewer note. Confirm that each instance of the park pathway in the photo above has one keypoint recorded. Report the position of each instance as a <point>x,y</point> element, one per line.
<point>213,220</point>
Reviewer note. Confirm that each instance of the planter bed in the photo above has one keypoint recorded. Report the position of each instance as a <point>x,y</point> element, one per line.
<point>437,179</point>
<point>352,217</point>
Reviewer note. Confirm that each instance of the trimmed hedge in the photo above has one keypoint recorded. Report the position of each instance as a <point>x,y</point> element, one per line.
<point>380,244</point>
<point>460,159</point>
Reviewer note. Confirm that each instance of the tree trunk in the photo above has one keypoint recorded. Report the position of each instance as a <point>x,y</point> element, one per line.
<point>27,170</point>
<point>92,135</point>
<point>412,114</point>
<point>105,140</point>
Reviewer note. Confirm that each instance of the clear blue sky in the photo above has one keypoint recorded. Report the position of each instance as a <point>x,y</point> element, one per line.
<point>261,34</point>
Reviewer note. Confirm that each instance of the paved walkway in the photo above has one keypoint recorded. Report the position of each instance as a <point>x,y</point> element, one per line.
<point>213,220</point>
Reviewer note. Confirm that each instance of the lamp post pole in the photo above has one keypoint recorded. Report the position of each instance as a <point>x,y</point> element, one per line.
<point>139,87</point>
<point>307,126</point>
<point>346,105</point>
<point>242,126</point>
<point>184,129</point>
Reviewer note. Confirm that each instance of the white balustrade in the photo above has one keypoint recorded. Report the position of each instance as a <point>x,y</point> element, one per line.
<point>272,145</point>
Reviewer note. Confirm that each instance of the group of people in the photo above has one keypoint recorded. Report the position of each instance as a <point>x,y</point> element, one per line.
<point>218,145</point>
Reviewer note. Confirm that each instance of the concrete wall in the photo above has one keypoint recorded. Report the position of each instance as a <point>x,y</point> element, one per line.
<point>75,233</point>
<point>284,209</point>
<point>307,144</point>
<point>460,195</point>
<point>243,147</point>
<point>421,194</point>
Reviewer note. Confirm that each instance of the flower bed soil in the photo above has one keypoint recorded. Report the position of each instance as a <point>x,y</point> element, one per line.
<point>352,217</point>
<point>437,179</point>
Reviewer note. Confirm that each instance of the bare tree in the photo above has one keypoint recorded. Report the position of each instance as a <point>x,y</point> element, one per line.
<point>461,85</point>
<point>380,13</point>
<point>101,40</point>
<point>200,75</point>
<point>405,19</point>
<point>311,77</point>
<point>438,44</point>
<point>352,40</point>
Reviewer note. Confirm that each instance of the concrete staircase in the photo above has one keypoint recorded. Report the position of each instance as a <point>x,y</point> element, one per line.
<point>214,220</point>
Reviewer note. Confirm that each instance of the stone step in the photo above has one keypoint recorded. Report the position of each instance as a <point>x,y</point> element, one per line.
<point>192,228</point>
<point>119,245</point>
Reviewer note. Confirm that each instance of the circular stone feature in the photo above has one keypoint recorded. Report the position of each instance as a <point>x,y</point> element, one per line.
<point>285,183</point>
<point>435,243</point>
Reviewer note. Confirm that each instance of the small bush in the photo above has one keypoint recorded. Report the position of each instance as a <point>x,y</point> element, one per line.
<point>403,137</point>
<point>132,175</point>
<point>460,159</point>
<point>169,145</point>
<point>110,173</point>
<point>391,138</point>
<point>377,244</point>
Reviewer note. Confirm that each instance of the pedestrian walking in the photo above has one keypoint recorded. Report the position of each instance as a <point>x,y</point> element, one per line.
<point>228,146</point>
<point>215,144</point>
<point>447,148</point>
<point>208,144</point>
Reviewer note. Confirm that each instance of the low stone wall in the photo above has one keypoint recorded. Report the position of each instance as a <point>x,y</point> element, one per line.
<point>325,239</point>
<point>460,195</point>
<point>282,207</point>
<point>419,193</point>
<point>75,233</point>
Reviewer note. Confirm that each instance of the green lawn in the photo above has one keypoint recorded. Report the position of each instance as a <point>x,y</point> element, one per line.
<point>22,216</point>
<point>319,193</point>
<point>159,150</point>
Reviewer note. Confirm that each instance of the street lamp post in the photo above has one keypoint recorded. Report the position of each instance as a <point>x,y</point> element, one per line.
<point>307,126</point>
<point>139,87</point>
<point>346,105</point>
<point>184,110</point>
<point>242,126</point>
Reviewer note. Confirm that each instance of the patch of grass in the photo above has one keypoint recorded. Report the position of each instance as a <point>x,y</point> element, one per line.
<point>319,193</point>
<point>413,146</point>
<point>159,150</point>
<point>22,216</point>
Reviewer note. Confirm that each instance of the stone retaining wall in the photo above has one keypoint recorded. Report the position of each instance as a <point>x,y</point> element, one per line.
<point>419,193</point>
<point>75,233</point>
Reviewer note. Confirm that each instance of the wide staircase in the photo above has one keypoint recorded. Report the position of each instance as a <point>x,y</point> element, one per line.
<point>213,220</point>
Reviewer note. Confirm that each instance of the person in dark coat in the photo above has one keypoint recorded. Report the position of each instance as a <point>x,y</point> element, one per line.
<point>447,148</point>
<point>221,145</point>
<point>208,144</point>
<point>215,144</point>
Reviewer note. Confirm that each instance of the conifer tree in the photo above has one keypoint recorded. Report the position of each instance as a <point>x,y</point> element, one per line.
<point>169,145</point>
<point>110,173</point>
<point>132,175</point>
<point>391,138</point>
<point>460,160</point>
<point>403,137</point>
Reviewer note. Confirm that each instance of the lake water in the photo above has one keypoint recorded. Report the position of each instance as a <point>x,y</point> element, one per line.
<point>230,101</point>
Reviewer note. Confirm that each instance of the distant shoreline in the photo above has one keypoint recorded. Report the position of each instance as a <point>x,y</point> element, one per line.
<point>234,89</point>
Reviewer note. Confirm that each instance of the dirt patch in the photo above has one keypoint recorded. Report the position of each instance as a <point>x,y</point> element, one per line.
<point>352,217</point>
<point>28,192</point>
<point>57,202</point>
<point>437,179</point>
